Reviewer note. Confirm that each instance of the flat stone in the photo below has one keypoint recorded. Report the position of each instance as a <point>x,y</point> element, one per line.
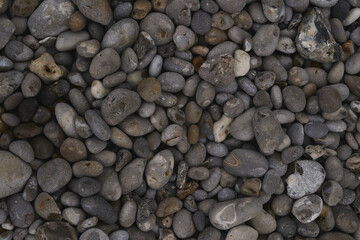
<point>245,163</point>
<point>225,215</point>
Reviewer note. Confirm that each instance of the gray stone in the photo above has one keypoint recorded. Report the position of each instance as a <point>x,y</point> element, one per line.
<point>183,224</point>
<point>308,208</point>
<point>159,26</point>
<point>50,18</point>
<point>94,233</point>
<point>96,10</point>
<point>21,212</point>
<point>219,70</point>
<point>121,35</point>
<point>266,39</point>
<point>268,132</point>
<point>98,126</point>
<point>245,163</point>
<point>159,169</point>
<point>99,207</point>
<point>84,186</point>
<point>14,174</point>
<point>242,232</point>
<point>18,51</point>
<point>308,177</point>
<point>104,63</point>
<point>56,230</point>
<point>23,150</point>
<point>54,174</point>
<point>9,82</point>
<point>65,116</point>
<point>7,28</point>
<point>131,176</point>
<point>226,215</point>
<point>119,104</point>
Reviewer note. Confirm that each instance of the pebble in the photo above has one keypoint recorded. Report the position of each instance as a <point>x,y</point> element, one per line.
<point>121,35</point>
<point>169,206</point>
<point>119,104</point>
<point>329,99</point>
<point>242,232</point>
<point>241,63</point>
<point>218,71</point>
<point>313,39</point>
<point>99,207</point>
<point>184,38</point>
<point>159,169</point>
<point>99,11</point>
<point>46,68</point>
<point>7,28</point>
<point>131,176</point>
<point>45,206</point>
<point>267,129</point>
<point>159,26</point>
<point>14,174</point>
<point>201,22</point>
<point>54,174</point>
<point>94,233</point>
<point>266,40</point>
<point>308,208</point>
<point>183,224</point>
<point>307,178</point>
<point>51,230</point>
<point>225,215</point>
<point>245,163</point>
<point>50,18</point>
<point>21,212</point>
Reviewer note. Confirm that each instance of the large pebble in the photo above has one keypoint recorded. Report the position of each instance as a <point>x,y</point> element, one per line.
<point>50,18</point>
<point>95,10</point>
<point>121,35</point>
<point>183,224</point>
<point>14,173</point>
<point>245,163</point>
<point>54,174</point>
<point>308,177</point>
<point>159,26</point>
<point>294,98</point>
<point>159,169</point>
<point>225,215</point>
<point>119,104</point>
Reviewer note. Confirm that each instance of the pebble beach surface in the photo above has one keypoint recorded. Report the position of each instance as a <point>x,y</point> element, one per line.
<point>179,119</point>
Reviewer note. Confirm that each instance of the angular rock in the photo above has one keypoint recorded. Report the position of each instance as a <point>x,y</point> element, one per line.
<point>219,70</point>
<point>314,40</point>
<point>46,68</point>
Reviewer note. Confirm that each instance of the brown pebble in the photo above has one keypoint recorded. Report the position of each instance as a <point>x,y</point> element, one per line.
<point>149,89</point>
<point>46,68</point>
<point>77,22</point>
<point>197,62</point>
<point>309,89</point>
<point>159,5</point>
<point>215,36</point>
<point>189,188</point>
<point>200,50</point>
<point>141,9</point>
<point>193,134</point>
<point>348,48</point>
<point>251,187</point>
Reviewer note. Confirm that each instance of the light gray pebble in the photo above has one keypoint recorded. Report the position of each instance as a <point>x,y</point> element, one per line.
<point>94,233</point>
